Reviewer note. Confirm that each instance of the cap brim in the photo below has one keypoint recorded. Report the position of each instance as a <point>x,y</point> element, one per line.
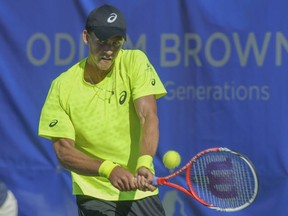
<point>104,33</point>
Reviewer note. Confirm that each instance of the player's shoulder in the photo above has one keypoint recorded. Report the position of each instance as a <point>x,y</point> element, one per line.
<point>132,54</point>
<point>70,75</point>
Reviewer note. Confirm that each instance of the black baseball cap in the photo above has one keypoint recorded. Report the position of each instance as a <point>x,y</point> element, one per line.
<point>106,21</point>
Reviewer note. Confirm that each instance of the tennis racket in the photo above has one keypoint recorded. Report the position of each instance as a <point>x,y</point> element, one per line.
<point>219,178</point>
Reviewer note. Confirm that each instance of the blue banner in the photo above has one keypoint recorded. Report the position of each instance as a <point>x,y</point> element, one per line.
<point>224,64</point>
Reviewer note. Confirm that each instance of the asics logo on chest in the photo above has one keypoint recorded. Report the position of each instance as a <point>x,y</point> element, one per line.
<point>123,96</point>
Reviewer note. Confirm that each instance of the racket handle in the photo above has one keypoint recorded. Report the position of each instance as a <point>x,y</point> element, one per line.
<point>154,182</point>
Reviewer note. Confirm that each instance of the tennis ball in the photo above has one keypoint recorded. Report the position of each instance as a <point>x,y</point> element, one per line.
<point>171,159</point>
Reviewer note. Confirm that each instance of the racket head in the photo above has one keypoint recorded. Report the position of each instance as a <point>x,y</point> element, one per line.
<point>222,179</point>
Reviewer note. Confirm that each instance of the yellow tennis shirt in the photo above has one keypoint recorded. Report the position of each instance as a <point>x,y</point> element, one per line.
<point>101,118</point>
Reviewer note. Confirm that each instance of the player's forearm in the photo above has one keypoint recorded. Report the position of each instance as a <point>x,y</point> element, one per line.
<point>80,164</point>
<point>74,160</point>
<point>146,109</point>
<point>150,135</point>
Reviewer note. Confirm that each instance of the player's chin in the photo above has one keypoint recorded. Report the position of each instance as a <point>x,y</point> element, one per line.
<point>105,64</point>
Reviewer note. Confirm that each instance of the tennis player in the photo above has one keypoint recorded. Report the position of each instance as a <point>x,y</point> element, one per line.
<point>101,115</point>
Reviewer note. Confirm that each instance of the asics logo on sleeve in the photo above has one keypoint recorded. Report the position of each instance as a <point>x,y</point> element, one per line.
<point>53,123</point>
<point>112,18</point>
<point>153,82</point>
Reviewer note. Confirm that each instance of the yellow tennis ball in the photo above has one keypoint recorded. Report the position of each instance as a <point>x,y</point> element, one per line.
<point>171,159</point>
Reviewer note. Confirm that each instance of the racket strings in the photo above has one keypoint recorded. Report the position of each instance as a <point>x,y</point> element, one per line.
<point>223,179</point>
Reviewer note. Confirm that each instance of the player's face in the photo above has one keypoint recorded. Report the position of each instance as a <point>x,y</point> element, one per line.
<point>102,54</point>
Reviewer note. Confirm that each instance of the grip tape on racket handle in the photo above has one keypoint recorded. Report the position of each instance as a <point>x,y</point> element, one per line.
<point>154,182</point>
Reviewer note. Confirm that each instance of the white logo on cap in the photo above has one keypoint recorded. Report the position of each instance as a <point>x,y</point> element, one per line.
<point>112,18</point>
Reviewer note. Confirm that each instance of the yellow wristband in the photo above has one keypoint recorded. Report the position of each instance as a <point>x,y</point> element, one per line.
<point>106,168</point>
<point>145,161</point>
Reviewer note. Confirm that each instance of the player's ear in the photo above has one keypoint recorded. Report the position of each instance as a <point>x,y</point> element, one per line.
<point>85,36</point>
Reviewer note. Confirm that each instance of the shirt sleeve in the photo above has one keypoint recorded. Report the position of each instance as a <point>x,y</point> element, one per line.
<point>54,119</point>
<point>145,81</point>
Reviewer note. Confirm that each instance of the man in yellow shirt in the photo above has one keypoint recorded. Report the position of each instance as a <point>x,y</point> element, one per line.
<point>101,115</point>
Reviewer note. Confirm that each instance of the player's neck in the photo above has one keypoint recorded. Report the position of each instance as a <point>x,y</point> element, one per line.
<point>93,74</point>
